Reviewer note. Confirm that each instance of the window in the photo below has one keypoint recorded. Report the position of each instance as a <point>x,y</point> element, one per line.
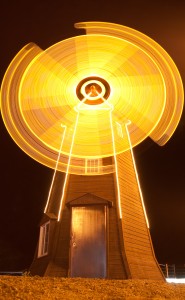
<point>43,240</point>
<point>92,165</point>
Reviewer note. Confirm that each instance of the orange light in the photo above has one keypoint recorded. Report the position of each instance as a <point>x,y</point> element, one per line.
<point>144,87</point>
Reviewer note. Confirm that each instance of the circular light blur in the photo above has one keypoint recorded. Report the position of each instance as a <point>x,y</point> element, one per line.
<point>45,117</point>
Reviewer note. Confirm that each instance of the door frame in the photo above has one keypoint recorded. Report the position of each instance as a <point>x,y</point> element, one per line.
<point>106,207</point>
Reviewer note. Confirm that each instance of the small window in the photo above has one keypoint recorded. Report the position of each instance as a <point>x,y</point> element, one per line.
<point>43,240</point>
<point>92,166</point>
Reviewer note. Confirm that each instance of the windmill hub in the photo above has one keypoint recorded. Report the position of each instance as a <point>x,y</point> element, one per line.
<point>93,90</point>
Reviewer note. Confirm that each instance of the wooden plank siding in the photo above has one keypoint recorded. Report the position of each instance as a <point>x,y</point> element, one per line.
<point>137,242</point>
<point>55,194</point>
<point>102,186</point>
<point>129,248</point>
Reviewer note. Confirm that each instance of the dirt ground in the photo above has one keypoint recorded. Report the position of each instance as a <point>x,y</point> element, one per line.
<point>27,287</point>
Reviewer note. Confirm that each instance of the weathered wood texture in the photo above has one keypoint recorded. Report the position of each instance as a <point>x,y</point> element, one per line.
<point>129,248</point>
<point>56,194</point>
<point>102,187</point>
<point>137,242</point>
<point>40,264</point>
<point>60,243</point>
<point>99,190</point>
<point>56,263</point>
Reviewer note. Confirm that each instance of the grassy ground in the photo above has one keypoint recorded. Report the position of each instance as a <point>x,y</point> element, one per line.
<point>27,287</point>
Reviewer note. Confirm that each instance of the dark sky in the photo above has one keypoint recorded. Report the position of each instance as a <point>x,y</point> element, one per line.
<point>25,183</point>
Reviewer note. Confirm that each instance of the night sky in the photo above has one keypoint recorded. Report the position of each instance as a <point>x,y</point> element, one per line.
<point>25,183</point>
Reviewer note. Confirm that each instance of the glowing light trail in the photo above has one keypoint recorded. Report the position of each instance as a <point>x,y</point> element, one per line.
<point>53,178</point>
<point>137,177</point>
<point>146,88</point>
<point>116,168</point>
<point>68,166</point>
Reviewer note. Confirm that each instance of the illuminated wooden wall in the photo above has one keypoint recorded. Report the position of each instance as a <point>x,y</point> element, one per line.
<point>91,97</point>
<point>129,248</point>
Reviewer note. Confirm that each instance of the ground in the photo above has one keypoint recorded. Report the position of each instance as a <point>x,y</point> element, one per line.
<point>28,288</point>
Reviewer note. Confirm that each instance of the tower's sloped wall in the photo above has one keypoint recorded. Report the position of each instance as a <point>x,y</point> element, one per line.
<point>137,242</point>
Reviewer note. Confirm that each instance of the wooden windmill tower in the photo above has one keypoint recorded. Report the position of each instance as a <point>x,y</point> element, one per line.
<point>80,107</point>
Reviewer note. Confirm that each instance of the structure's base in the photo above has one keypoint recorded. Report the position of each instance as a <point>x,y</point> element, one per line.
<point>91,240</point>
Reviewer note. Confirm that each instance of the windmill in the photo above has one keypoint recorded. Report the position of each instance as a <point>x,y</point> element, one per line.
<point>80,107</point>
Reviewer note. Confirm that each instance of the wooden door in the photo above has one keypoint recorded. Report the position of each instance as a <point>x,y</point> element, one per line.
<point>88,241</point>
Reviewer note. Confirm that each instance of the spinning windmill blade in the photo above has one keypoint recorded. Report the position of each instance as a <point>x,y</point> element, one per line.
<point>46,94</point>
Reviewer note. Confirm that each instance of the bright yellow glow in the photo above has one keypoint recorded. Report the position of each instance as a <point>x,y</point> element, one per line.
<point>172,80</point>
<point>116,167</point>
<point>145,87</point>
<point>68,168</point>
<point>86,96</point>
<point>137,177</point>
<point>56,168</point>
